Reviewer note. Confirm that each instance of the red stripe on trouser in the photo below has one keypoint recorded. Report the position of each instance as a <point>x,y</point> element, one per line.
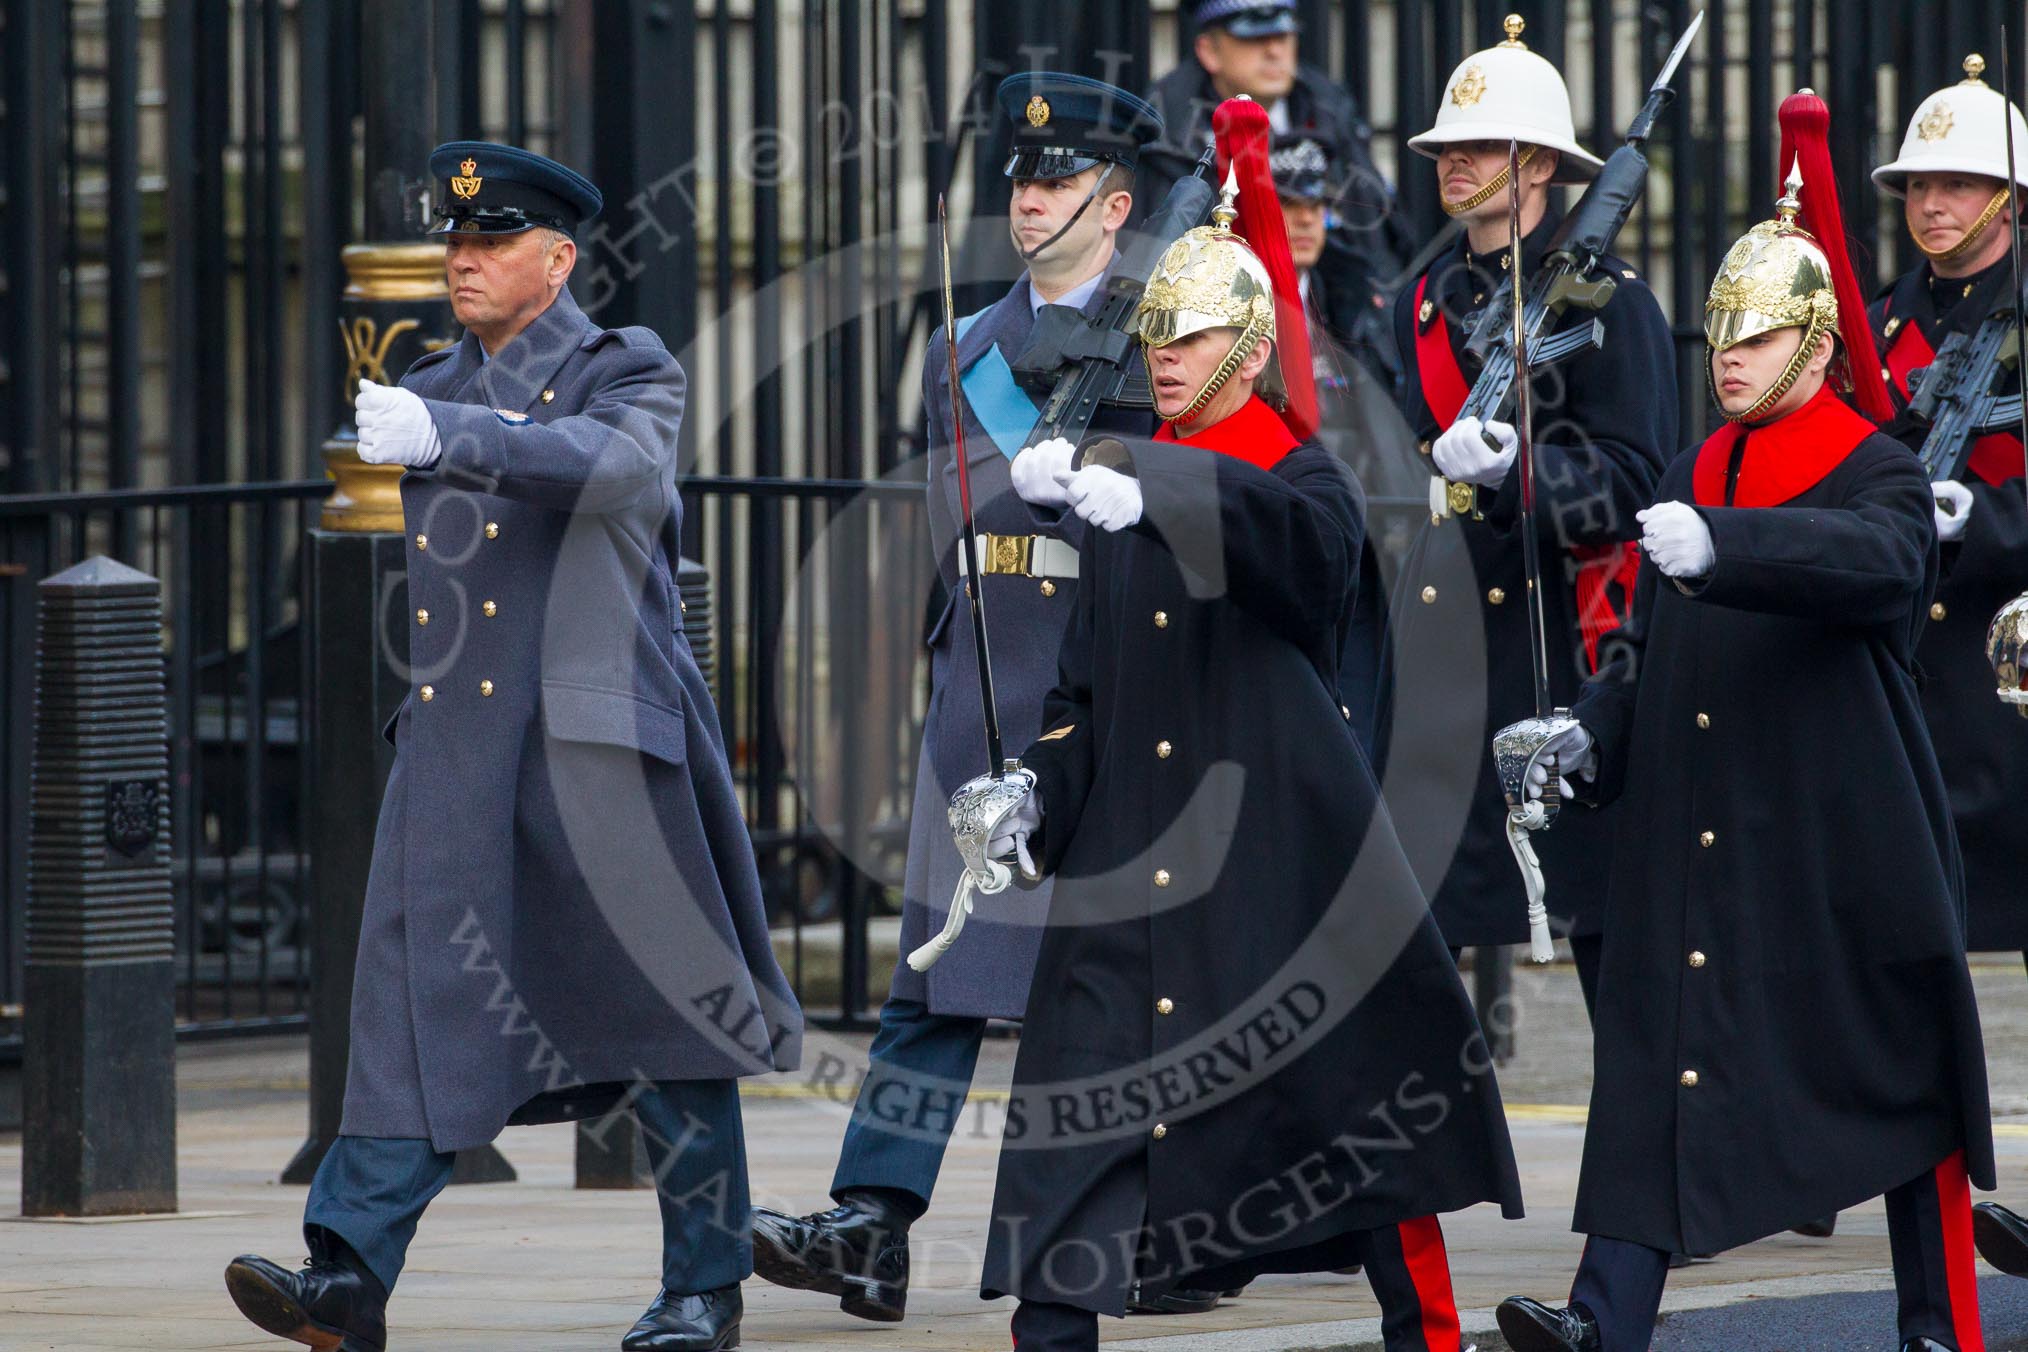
<point>1954,1203</point>
<point>1429,1267</point>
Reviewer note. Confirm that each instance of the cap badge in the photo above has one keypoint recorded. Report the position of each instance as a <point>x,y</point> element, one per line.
<point>1038,111</point>
<point>468,186</point>
<point>1470,88</point>
<point>1937,123</point>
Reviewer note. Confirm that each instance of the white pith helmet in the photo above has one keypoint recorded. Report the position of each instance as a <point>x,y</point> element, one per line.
<point>1505,93</point>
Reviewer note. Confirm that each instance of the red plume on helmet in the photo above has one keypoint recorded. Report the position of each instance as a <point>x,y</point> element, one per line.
<point>1244,136</point>
<point>1806,131</point>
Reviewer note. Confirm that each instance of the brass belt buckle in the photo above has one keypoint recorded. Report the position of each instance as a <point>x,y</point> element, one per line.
<point>1009,554</point>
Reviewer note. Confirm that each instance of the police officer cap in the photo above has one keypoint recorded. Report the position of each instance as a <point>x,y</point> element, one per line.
<point>1301,167</point>
<point>1065,124</point>
<point>1249,18</point>
<point>488,189</point>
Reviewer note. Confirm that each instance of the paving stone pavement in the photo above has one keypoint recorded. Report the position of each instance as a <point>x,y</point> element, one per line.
<point>537,1265</point>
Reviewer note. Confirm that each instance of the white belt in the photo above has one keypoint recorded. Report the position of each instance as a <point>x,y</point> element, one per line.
<point>1024,556</point>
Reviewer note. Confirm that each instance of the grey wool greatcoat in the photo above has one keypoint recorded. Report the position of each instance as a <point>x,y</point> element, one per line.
<point>986,974</point>
<point>563,899</point>
<point>1785,1024</point>
<point>1246,1040</point>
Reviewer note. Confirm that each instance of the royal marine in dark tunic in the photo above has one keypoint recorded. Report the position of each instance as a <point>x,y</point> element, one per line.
<point>1604,424</point>
<point>1237,950</point>
<point>563,914</point>
<point>1785,1023</point>
<point>1952,177</point>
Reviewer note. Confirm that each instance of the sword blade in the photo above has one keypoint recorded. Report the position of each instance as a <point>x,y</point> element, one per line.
<point>1524,427</point>
<point>968,540</point>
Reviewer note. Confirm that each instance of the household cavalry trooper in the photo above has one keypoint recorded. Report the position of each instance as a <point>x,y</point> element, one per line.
<point>1604,425</point>
<point>1785,1024</point>
<point>1953,180</point>
<point>1076,148</point>
<point>563,916</point>
<point>1246,1049</point>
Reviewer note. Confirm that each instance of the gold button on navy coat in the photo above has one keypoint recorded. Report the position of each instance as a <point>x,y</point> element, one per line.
<point>563,898</point>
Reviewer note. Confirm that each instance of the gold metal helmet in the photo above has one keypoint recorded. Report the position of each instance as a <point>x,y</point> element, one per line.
<point>1210,278</point>
<point>2007,651</point>
<point>1775,277</point>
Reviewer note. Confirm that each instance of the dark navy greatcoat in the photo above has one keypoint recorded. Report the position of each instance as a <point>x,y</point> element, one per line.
<point>1245,1039</point>
<point>985,975</point>
<point>1981,743</point>
<point>1605,424</point>
<point>563,898</point>
<point>1785,1024</point>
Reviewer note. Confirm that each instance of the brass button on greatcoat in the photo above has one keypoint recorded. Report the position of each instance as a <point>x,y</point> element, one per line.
<point>1048,587</point>
<point>490,609</point>
<point>1688,1079</point>
<point>1704,720</point>
<point>422,617</point>
<point>485,687</point>
<point>428,693</point>
<point>1696,958</point>
<point>1161,1130</point>
<point>1161,619</point>
<point>1161,877</point>
<point>1497,596</point>
<point>1938,612</point>
<point>1429,596</point>
<point>422,543</point>
<point>1707,840</point>
<point>549,396</point>
<point>492,530</point>
<point>1163,750</point>
<point>1165,1006</point>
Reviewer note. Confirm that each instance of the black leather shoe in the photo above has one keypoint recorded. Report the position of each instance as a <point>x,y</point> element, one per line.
<point>2001,1238</point>
<point>1923,1345</point>
<point>1530,1326</point>
<point>1818,1229</point>
<point>857,1252</point>
<point>329,1305</point>
<point>1176,1300</point>
<point>702,1323</point>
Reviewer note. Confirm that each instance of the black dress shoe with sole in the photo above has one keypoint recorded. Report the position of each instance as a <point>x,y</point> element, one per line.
<point>328,1305</point>
<point>857,1252</point>
<point>707,1322</point>
<point>1178,1300</point>
<point>1530,1326</point>
<point>2001,1238</point>
<point>1818,1229</point>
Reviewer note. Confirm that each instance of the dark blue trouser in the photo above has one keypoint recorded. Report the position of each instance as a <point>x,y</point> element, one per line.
<point>370,1191</point>
<point>1929,1231</point>
<point>911,1101</point>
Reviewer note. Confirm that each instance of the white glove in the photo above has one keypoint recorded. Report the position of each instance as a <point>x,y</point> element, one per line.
<point>1465,458</point>
<point>1676,538</point>
<point>1105,497</point>
<point>1951,523</point>
<point>395,427</point>
<point>1575,755</point>
<point>1036,468</point>
<point>1010,837</point>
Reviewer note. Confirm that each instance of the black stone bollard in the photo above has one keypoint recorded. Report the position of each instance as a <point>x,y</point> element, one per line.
<point>99,1003</point>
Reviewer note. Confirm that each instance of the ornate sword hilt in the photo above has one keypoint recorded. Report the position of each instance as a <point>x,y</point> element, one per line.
<point>977,809</point>
<point>1518,748</point>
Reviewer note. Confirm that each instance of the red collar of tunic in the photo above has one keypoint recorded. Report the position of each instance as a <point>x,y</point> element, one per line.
<point>1784,459</point>
<point>1255,434</point>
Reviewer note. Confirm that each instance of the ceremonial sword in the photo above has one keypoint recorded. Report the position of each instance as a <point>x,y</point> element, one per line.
<point>2007,636</point>
<point>1520,747</point>
<point>983,801</point>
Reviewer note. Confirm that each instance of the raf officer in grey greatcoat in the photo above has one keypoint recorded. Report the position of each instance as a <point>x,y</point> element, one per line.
<point>563,915</point>
<point>1076,147</point>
